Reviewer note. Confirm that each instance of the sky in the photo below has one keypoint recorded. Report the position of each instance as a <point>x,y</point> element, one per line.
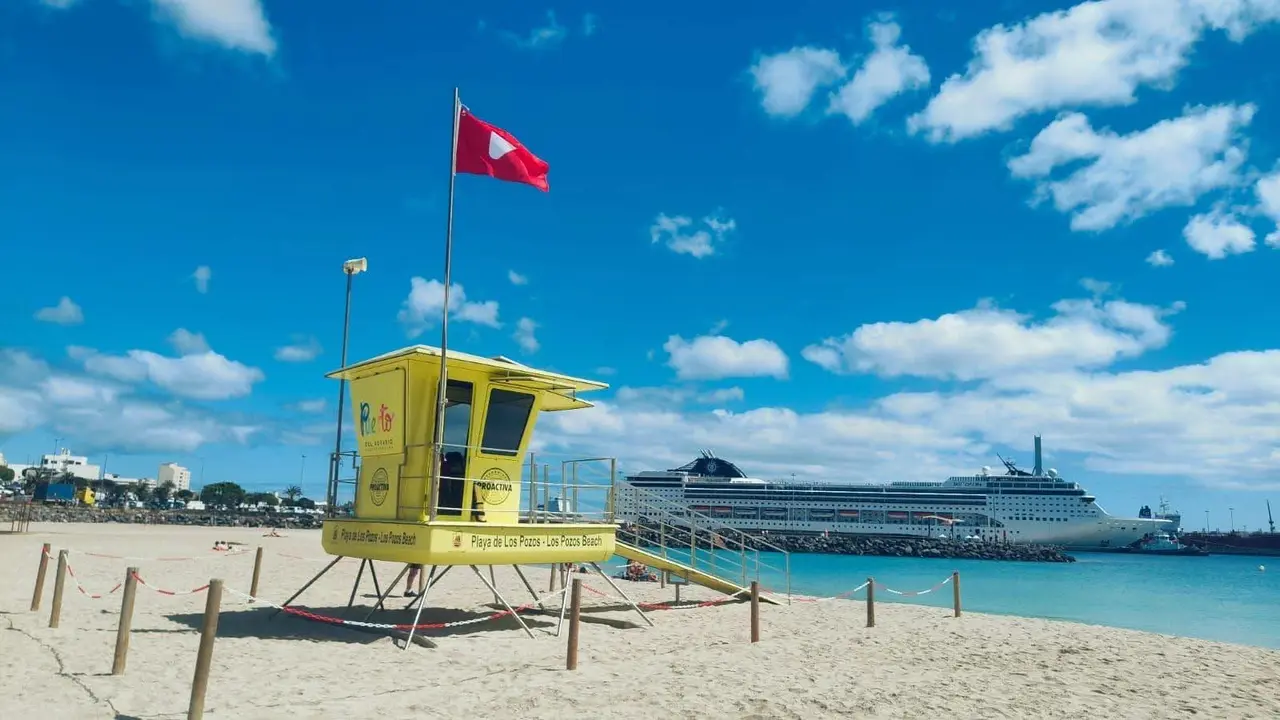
<point>844,242</point>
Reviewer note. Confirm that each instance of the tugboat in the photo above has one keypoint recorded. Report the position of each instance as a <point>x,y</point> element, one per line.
<point>1162,543</point>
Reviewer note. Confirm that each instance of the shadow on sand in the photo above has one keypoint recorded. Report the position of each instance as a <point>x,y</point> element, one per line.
<point>264,622</point>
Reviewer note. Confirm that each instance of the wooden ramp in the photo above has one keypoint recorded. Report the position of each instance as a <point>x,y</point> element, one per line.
<point>697,577</point>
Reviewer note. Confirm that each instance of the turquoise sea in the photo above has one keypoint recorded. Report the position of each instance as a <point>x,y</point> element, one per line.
<point>1218,597</point>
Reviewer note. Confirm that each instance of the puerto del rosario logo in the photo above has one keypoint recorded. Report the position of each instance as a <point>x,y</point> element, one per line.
<point>375,427</point>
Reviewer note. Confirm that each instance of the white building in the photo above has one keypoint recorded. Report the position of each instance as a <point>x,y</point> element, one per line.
<point>122,481</point>
<point>176,474</point>
<point>65,462</point>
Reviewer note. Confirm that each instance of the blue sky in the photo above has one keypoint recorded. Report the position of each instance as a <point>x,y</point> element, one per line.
<point>846,242</point>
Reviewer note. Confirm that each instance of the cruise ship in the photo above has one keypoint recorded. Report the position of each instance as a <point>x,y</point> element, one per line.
<point>1014,506</point>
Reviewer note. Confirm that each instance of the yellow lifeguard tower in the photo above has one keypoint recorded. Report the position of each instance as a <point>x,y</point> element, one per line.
<point>442,494</point>
<point>471,516</point>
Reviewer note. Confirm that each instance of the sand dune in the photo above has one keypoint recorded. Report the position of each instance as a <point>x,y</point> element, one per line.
<point>816,660</point>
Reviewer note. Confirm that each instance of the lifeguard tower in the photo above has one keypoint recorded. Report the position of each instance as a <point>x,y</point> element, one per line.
<point>449,494</point>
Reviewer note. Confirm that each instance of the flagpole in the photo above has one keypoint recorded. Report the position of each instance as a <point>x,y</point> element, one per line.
<point>442,390</point>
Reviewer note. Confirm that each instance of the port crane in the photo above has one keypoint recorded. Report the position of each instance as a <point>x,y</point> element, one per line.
<point>1270,520</point>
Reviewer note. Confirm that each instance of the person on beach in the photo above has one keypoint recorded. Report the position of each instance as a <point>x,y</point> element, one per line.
<point>415,573</point>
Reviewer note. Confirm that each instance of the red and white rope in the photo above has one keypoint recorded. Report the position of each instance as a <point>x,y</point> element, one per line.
<point>668,605</point>
<point>915,593</point>
<point>163,591</point>
<point>92,596</point>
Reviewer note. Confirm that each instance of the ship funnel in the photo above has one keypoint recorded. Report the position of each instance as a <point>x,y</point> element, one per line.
<point>1038,470</point>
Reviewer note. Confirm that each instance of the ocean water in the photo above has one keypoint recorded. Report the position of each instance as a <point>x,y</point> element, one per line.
<point>1218,597</point>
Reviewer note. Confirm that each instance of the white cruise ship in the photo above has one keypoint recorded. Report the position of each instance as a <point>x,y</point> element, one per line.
<point>1015,506</point>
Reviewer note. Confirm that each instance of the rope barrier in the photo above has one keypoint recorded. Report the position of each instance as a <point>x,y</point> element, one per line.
<point>879,586</point>
<point>86,593</point>
<point>915,593</point>
<point>668,605</point>
<point>163,591</point>
<point>221,553</point>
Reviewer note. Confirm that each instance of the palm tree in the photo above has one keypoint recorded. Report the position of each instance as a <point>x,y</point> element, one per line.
<point>293,492</point>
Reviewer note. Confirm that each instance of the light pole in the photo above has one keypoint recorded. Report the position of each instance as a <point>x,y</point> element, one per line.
<point>1232,512</point>
<point>56,442</point>
<point>1206,521</point>
<point>350,268</point>
<point>201,472</point>
<point>302,471</point>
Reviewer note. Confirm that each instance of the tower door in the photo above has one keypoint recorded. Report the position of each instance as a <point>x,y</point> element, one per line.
<point>457,430</point>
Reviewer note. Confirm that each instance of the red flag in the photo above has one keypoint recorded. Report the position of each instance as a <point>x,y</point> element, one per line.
<point>484,149</point>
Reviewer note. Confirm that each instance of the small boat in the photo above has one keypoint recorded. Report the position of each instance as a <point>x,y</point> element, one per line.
<point>1162,543</point>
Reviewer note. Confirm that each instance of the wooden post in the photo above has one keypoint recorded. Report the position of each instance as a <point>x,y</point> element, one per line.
<point>257,571</point>
<point>955,591</point>
<point>575,614</point>
<point>755,611</point>
<point>555,570</point>
<point>871,602</point>
<point>126,621</point>
<point>55,612</point>
<point>204,657</point>
<point>44,566</point>
<point>662,580</point>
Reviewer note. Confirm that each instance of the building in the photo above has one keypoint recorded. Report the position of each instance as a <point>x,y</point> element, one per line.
<point>123,481</point>
<point>65,462</point>
<point>176,474</point>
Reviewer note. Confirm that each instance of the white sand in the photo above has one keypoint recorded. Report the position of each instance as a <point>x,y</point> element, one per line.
<point>816,660</point>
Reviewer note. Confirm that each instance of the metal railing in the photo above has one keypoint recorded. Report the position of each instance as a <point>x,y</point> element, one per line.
<point>676,532</point>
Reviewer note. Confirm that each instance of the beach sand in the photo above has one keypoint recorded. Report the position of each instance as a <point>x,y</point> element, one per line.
<point>815,660</point>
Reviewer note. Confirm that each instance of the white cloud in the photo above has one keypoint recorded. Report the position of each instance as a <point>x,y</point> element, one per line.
<point>713,357</point>
<point>678,234</point>
<point>590,23</point>
<point>722,395</point>
<point>667,397</point>
<point>198,373</point>
<point>516,278</point>
<point>1217,234</point>
<point>66,312</point>
<point>1171,163</point>
<point>1268,192</point>
<point>235,24</point>
<point>201,277</point>
<point>1215,422</point>
<point>524,335</point>
<point>422,308</point>
<point>1159,258</point>
<point>303,349</point>
<point>540,38</point>
<point>1094,54</point>
<point>316,405</point>
<point>889,71</point>
<point>188,343</point>
<point>788,80</point>
<point>101,414</point>
<point>989,342</point>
